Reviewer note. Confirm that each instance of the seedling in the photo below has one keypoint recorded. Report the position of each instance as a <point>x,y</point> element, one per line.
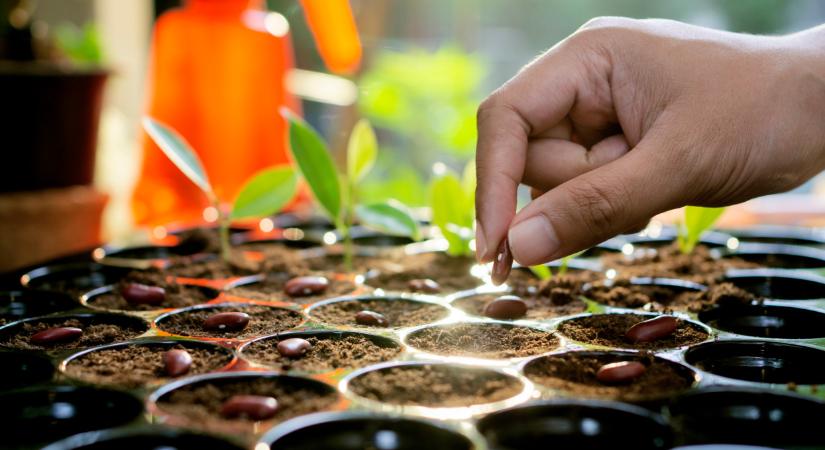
<point>262,195</point>
<point>336,192</point>
<point>543,272</point>
<point>452,200</point>
<point>697,221</point>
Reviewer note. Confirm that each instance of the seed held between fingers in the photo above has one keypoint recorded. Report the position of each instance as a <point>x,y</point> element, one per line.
<point>502,263</point>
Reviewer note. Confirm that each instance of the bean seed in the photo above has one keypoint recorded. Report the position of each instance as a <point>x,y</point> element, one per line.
<point>141,294</point>
<point>293,347</point>
<point>56,335</point>
<point>371,318</point>
<point>255,407</point>
<point>177,362</point>
<point>506,307</point>
<point>226,321</point>
<point>425,285</point>
<point>503,263</point>
<point>620,372</point>
<point>653,329</point>
<point>305,286</point>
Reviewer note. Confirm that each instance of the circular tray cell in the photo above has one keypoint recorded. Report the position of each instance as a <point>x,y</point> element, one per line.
<point>199,400</point>
<point>668,236</point>
<point>16,305</point>
<point>651,294</point>
<point>575,424</point>
<point>397,269</point>
<point>176,296</point>
<point>434,385</point>
<point>98,329</point>
<point>73,278</point>
<point>399,311</point>
<point>780,256</point>
<point>766,321</point>
<point>330,350</point>
<point>140,439</point>
<point>369,238</point>
<point>573,374</point>
<point>23,369</point>
<point>270,287</point>
<point>42,415</point>
<point>483,340</point>
<point>263,320</point>
<point>778,284</point>
<point>539,307</point>
<point>347,431</point>
<point>768,234</point>
<point>185,248</point>
<point>135,364</point>
<point>608,330</point>
<point>748,416</point>
<point>759,361</point>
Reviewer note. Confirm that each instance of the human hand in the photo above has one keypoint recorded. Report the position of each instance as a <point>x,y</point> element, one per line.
<point>629,118</point>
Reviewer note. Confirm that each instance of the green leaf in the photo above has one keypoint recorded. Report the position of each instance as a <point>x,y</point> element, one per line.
<point>315,163</point>
<point>266,193</point>
<point>448,203</point>
<point>362,149</point>
<point>542,272</point>
<point>390,217</point>
<point>178,151</point>
<point>697,221</point>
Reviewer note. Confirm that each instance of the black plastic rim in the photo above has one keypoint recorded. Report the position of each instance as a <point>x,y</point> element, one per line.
<point>81,276</point>
<point>575,424</point>
<point>779,256</point>
<point>766,321</point>
<point>23,369</point>
<point>21,304</point>
<point>142,438</point>
<point>140,325</point>
<point>760,361</point>
<point>778,284</point>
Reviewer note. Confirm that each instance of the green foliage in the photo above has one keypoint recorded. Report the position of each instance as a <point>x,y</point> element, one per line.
<point>542,272</point>
<point>265,194</point>
<point>362,149</point>
<point>391,217</point>
<point>175,147</point>
<point>697,221</point>
<point>80,45</point>
<point>452,201</point>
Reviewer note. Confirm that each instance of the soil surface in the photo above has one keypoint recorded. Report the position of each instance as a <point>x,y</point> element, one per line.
<point>177,296</point>
<point>271,288</point>
<point>491,341</point>
<point>574,373</point>
<point>329,351</point>
<point>96,331</point>
<point>556,297</point>
<point>394,273</point>
<point>275,258</point>
<point>668,262</point>
<point>137,365</point>
<point>435,386</point>
<point>202,402</point>
<point>609,330</point>
<point>398,311</point>
<point>264,320</point>
<point>624,294</point>
<point>524,283</point>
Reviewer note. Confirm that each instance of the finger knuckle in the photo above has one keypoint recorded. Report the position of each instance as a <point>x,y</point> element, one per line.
<point>600,207</point>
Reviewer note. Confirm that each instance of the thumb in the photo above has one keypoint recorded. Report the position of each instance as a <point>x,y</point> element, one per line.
<point>597,205</point>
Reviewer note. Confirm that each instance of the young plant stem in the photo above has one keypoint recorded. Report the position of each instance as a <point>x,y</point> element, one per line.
<point>223,230</point>
<point>346,226</point>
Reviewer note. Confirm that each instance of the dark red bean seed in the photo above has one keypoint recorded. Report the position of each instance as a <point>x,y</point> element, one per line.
<point>255,407</point>
<point>371,318</point>
<point>293,347</point>
<point>503,263</point>
<point>226,321</point>
<point>425,285</point>
<point>141,294</point>
<point>177,362</point>
<point>304,286</point>
<point>56,335</point>
<point>506,307</point>
<point>653,329</point>
<point>620,372</point>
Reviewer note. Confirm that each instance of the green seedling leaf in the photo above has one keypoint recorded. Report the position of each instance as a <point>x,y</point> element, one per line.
<point>390,217</point>
<point>266,193</point>
<point>449,203</point>
<point>178,151</point>
<point>362,150</point>
<point>315,163</point>
<point>542,272</point>
<point>697,221</point>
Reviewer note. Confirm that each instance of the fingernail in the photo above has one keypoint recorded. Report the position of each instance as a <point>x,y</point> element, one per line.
<point>533,241</point>
<point>502,263</point>
<point>481,243</point>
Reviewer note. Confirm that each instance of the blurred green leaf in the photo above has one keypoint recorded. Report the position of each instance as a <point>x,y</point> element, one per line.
<point>266,193</point>
<point>697,221</point>
<point>542,272</point>
<point>175,147</point>
<point>81,46</point>
<point>390,217</point>
<point>390,179</point>
<point>315,163</point>
<point>448,202</point>
<point>362,149</point>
